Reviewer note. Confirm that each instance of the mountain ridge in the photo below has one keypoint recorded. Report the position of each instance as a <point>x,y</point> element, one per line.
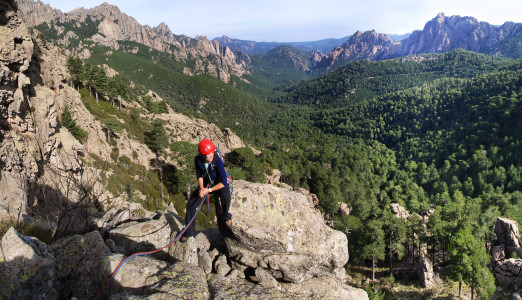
<point>441,34</point>
<point>261,48</point>
<point>110,25</point>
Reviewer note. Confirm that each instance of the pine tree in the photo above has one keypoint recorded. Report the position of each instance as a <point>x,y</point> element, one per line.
<point>375,245</point>
<point>156,139</point>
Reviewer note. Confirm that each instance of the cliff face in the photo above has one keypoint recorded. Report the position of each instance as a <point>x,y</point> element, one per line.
<point>112,26</point>
<point>35,147</point>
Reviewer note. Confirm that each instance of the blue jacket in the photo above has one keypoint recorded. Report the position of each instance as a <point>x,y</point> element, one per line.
<point>216,170</point>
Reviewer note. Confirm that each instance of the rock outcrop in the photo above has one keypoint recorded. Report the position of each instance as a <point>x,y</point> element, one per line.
<point>30,132</point>
<point>399,211</point>
<point>507,270</point>
<point>182,128</point>
<point>425,272</point>
<point>278,230</point>
<point>80,265</point>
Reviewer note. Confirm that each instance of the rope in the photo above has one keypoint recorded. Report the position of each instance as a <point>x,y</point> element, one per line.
<point>102,293</point>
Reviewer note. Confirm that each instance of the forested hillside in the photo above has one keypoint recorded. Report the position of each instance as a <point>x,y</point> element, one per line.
<point>431,132</point>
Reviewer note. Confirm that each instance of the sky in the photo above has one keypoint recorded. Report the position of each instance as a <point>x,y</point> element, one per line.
<point>299,20</point>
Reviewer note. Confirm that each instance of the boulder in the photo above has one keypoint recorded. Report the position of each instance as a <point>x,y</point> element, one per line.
<point>508,272</point>
<point>205,262</point>
<point>221,266</point>
<point>344,209</point>
<point>79,261</point>
<point>28,268</point>
<point>276,229</point>
<point>146,236</point>
<point>135,274</point>
<point>266,279</point>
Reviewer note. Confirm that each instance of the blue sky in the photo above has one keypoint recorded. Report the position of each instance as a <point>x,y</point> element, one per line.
<point>299,20</point>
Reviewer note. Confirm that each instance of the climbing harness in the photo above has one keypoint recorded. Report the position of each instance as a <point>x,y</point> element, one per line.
<point>102,293</point>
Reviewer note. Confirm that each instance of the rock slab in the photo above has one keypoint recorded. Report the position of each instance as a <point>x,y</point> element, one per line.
<point>278,229</point>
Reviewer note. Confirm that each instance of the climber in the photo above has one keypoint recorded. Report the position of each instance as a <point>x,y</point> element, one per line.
<point>212,178</point>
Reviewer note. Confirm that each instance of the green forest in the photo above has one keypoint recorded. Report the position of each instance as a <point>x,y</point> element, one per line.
<point>437,133</point>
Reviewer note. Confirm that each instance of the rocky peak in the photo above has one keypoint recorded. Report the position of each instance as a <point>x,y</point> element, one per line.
<point>104,9</point>
<point>37,12</point>
<point>361,45</point>
<point>368,37</point>
<point>163,29</point>
<point>441,34</point>
<point>113,26</point>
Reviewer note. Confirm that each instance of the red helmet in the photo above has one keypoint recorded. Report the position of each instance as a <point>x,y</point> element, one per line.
<point>206,147</point>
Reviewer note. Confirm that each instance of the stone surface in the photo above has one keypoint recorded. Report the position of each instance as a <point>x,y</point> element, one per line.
<point>325,288</point>
<point>507,271</point>
<point>424,269</point>
<point>182,128</point>
<point>135,274</point>
<point>179,281</point>
<point>79,262</point>
<point>223,288</point>
<point>266,279</point>
<point>28,268</point>
<point>143,236</point>
<point>278,230</point>
<point>221,266</point>
<point>205,262</point>
<point>185,251</point>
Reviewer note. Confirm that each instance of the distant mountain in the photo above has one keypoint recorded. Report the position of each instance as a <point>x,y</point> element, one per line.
<point>361,45</point>
<point>106,25</point>
<point>261,48</point>
<point>439,35</point>
<point>399,37</point>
